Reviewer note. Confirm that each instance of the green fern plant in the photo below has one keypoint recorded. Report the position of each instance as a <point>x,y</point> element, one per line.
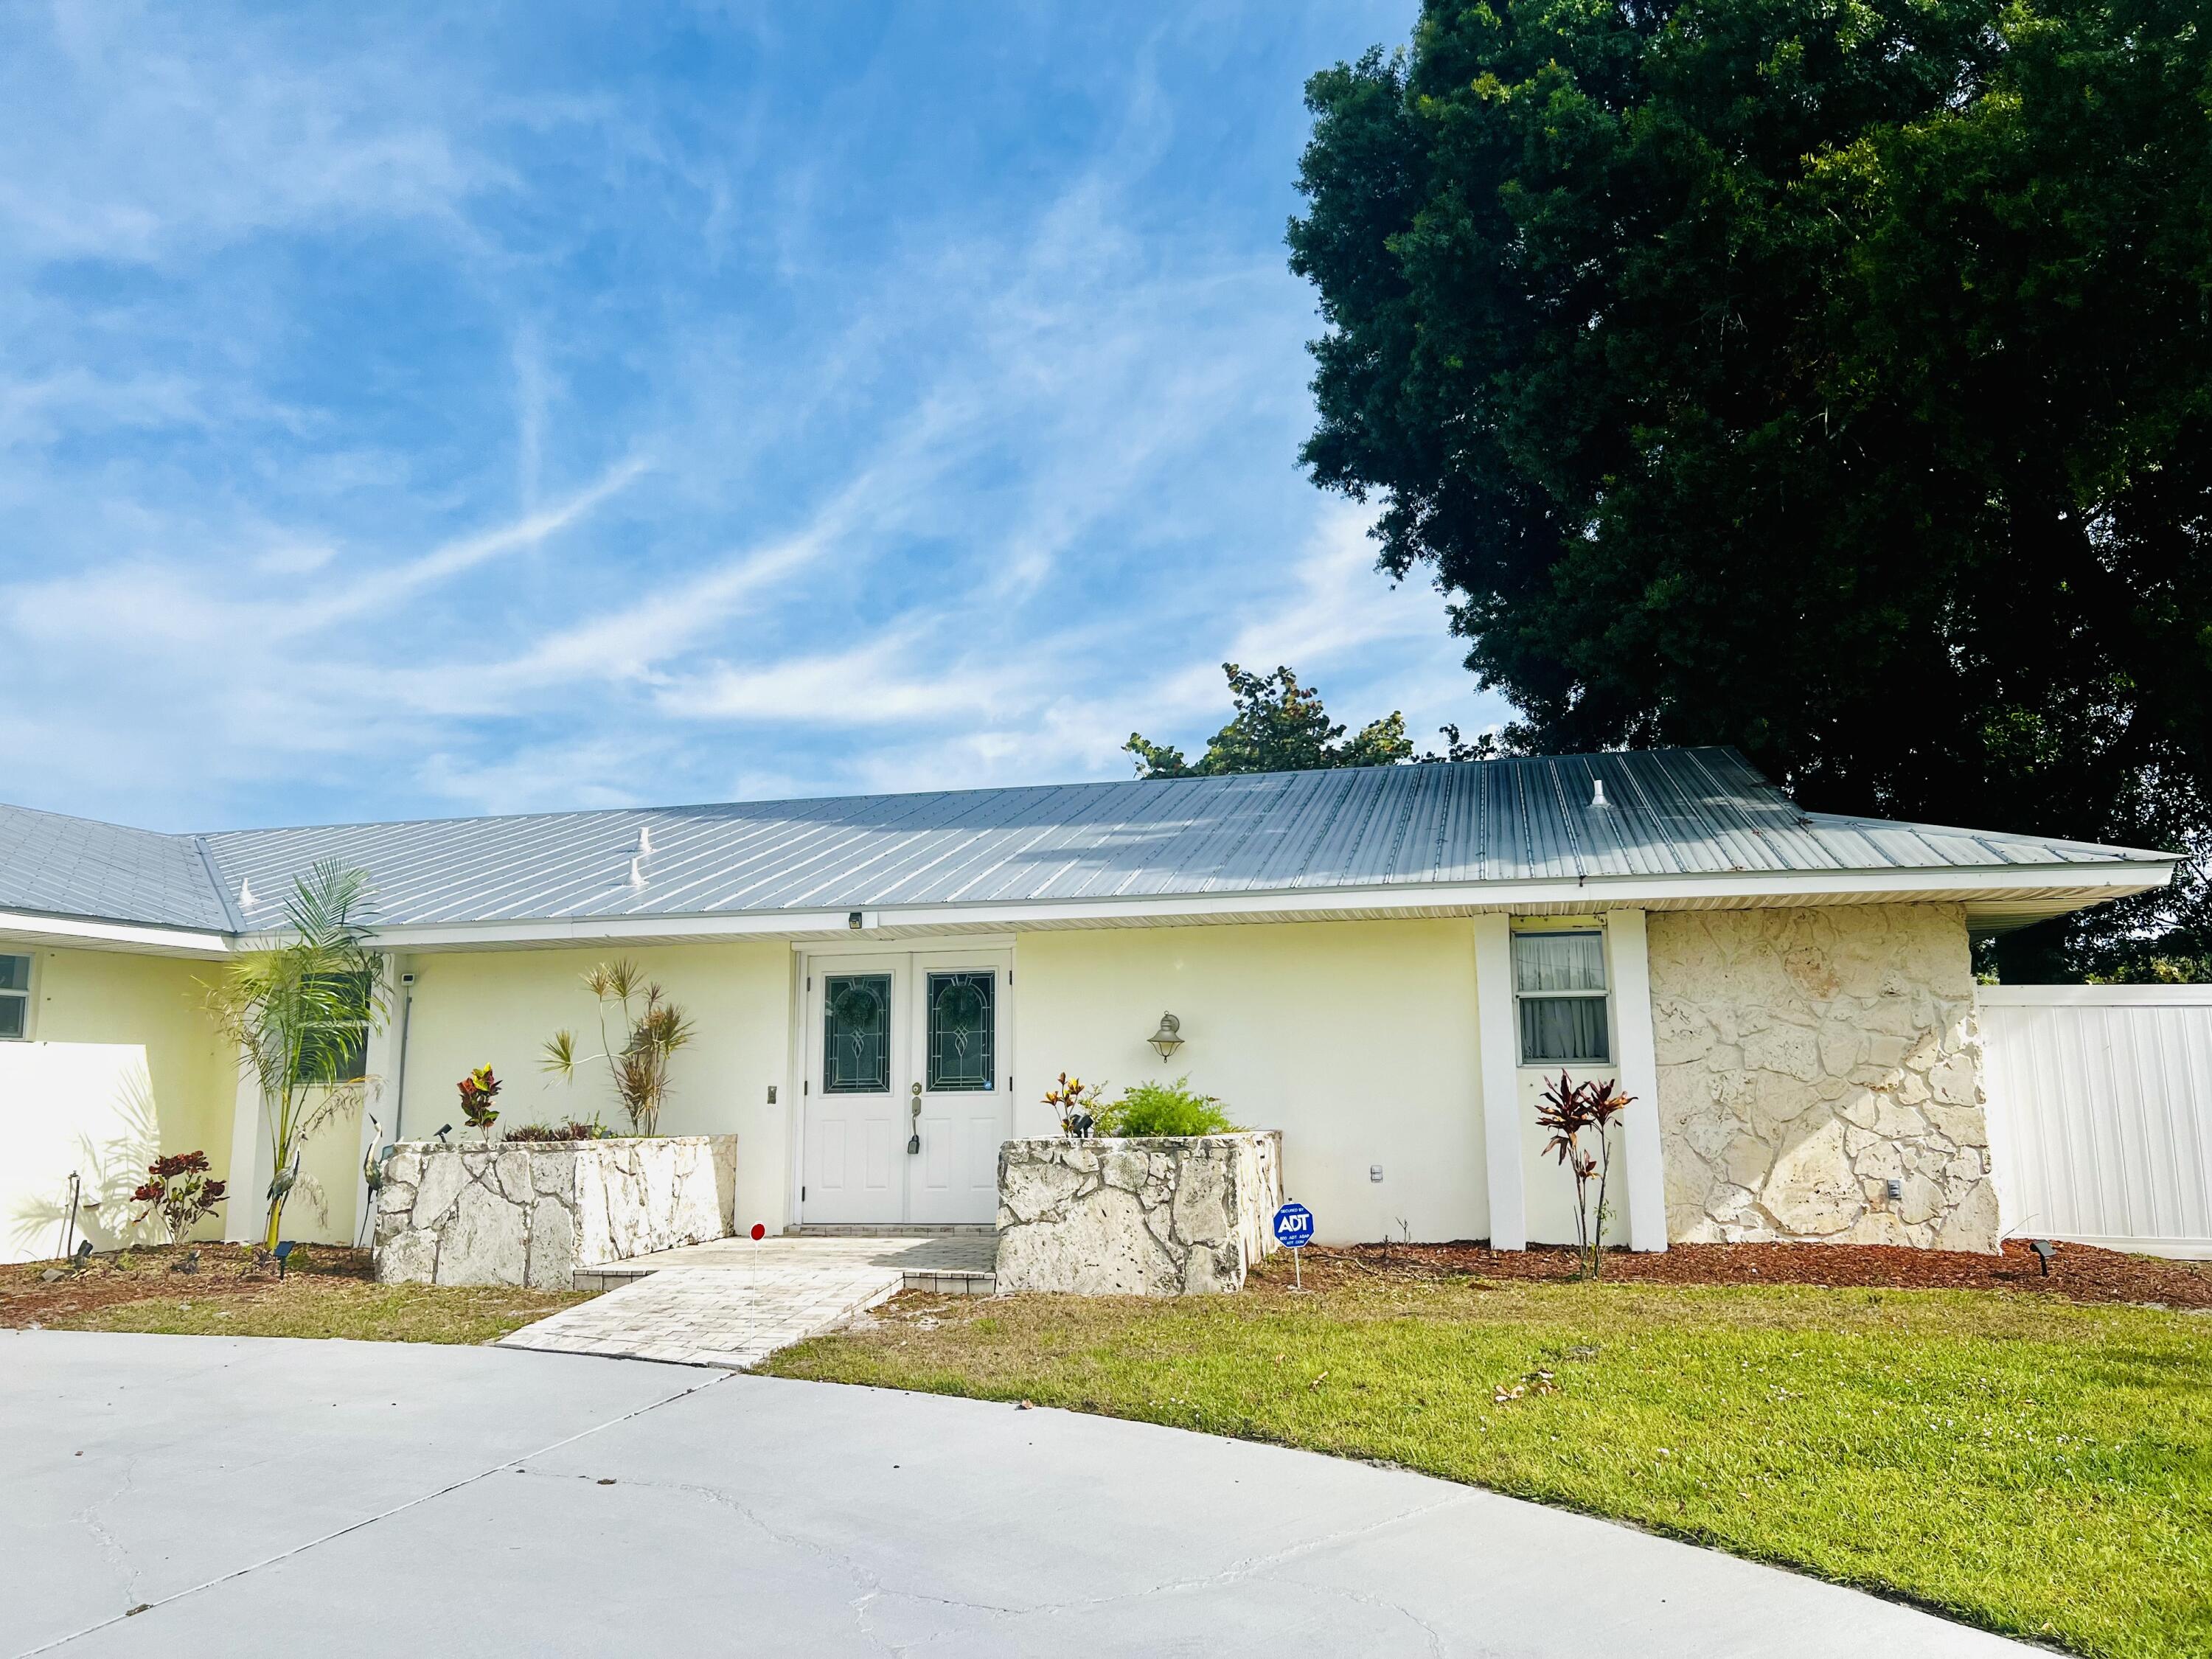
<point>1164,1108</point>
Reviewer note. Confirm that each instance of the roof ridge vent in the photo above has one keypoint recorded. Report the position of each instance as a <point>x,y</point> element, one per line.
<point>1598,802</point>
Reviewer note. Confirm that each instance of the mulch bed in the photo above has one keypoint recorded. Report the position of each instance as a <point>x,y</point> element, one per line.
<point>2078,1272</point>
<point>28,1297</point>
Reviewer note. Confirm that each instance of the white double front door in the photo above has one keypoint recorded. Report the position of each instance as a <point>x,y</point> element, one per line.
<point>906,1085</point>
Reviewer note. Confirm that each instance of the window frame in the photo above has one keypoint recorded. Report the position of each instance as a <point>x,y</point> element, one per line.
<point>357,1065</point>
<point>28,994</point>
<point>1602,996</point>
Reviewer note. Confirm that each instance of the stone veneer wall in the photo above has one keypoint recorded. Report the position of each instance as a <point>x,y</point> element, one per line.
<point>532,1212</point>
<point>1807,1056</point>
<point>1166,1216</point>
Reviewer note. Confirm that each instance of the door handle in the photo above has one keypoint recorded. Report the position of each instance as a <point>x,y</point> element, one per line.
<point>914,1141</point>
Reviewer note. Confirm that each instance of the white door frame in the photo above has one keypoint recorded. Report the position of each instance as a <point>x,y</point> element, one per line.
<point>913,959</point>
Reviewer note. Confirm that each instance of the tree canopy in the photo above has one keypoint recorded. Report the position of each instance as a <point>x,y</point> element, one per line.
<point>1280,725</point>
<point>1830,377</point>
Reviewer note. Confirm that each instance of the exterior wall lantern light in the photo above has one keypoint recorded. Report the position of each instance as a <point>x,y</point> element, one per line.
<point>1169,1037</point>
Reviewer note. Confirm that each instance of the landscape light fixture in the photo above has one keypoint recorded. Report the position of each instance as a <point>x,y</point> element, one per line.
<point>443,1132</point>
<point>2045,1249</point>
<point>1169,1037</point>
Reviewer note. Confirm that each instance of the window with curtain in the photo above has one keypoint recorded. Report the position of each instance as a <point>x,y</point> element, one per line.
<point>1558,989</point>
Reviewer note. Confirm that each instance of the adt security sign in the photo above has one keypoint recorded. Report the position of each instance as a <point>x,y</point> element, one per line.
<point>1294,1231</point>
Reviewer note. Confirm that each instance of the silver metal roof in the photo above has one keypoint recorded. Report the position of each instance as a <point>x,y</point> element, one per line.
<point>54,864</point>
<point>1666,812</point>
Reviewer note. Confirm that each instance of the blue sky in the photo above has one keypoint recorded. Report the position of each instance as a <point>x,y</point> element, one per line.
<point>582,405</point>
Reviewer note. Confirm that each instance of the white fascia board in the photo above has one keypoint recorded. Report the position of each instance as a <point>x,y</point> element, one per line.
<point>83,932</point>
<point>2083,883</point>
<point>591,930</point>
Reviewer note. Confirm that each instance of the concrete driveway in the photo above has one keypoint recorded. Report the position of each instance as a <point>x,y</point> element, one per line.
<point>335,1498</point>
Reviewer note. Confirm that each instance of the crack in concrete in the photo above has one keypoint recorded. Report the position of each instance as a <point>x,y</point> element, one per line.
<point>869,1580</point>
<point>1252,1566</point>
<point>110,1546</point>
<point>371,1520</point>
<point>872,1589</point>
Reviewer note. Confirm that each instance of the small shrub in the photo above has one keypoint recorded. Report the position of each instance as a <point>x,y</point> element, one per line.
<point>1567,1109</point>
<point>478,1090</point>
<point>653,1031</point>
<point>1165,1109</point>
<point>179,1190</point>
<point>557,1132</point>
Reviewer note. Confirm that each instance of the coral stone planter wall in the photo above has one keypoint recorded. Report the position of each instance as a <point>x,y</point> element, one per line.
<point>1164,1217</point>
<point>532,1214</point>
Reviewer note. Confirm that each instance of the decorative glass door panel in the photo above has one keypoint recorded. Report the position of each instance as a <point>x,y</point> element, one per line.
<point>960,1011</point>
<point>856,1034</point>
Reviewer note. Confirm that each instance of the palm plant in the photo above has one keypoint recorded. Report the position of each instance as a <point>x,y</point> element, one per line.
<point>300,1013</point>
<point>653,1028</point>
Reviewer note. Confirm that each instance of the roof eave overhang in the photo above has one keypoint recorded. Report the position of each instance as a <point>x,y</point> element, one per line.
<point>96,934</point>
<point>1994,899</point>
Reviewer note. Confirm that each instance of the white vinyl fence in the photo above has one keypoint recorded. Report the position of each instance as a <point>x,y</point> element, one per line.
<point>2100,1112</point>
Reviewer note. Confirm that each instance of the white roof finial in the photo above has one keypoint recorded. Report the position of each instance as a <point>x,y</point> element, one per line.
<point>644,840</point>
<point>1597,793</point>
<point>637,872</point>
<point>246,894</point>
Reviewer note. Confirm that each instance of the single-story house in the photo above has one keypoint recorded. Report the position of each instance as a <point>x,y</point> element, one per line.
<point>1385,964</point>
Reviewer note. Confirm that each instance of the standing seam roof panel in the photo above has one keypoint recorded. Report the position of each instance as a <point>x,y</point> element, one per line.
<point>1669,813</point>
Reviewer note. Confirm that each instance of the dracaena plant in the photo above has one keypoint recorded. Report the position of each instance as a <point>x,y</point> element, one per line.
<point>1571,1111</point>
<point>652,1030</point>
<point>301,1012</point>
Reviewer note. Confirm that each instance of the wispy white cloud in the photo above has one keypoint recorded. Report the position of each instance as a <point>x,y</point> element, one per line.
<point>404,422</point>
<point>142,134</point>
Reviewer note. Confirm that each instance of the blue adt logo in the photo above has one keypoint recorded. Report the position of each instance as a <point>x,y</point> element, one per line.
<point>1293,1226</point>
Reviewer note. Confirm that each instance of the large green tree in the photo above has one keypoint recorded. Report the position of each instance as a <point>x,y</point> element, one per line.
<point>1831,377</point>
<point>1281,726</point>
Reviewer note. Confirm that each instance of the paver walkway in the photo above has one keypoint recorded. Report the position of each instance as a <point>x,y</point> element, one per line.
<point>733,1303</point>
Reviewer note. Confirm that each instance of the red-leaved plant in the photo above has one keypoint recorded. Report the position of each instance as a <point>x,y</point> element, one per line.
<point>478,1090</point>
<point>1571,1109</point>
<point>179,1190</point>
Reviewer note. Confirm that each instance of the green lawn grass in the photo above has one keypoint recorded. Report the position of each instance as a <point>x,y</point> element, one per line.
<point>2039,1468</point>
<point>328,1291</point>
<point>326,1308</point>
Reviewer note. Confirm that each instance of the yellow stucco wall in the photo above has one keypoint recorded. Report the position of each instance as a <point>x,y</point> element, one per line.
<point>1357,1040</point>
<point>497,1008</point>
<point>121,1064</point>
